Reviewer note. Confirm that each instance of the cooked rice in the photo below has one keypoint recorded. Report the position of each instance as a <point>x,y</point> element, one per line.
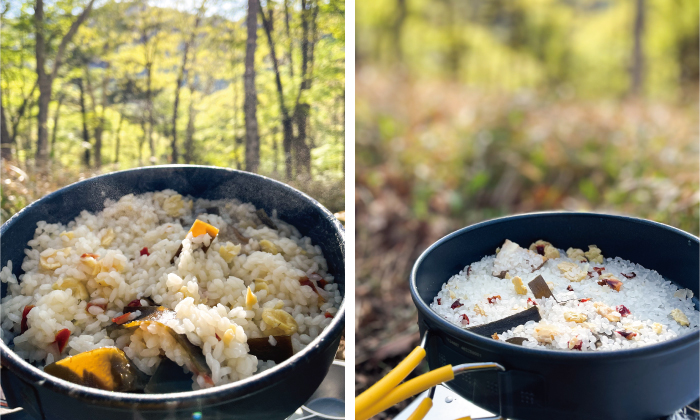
<point>649,297</point>
<point>207,293</point>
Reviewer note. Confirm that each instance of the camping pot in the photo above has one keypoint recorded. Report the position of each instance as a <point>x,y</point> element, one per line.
<point>642,383</point>
<point>273,394</point>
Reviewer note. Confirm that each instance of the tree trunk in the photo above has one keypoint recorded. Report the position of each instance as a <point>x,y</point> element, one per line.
<point>44,79</point>
<point>119,138</point>
<point>289,36</point>
<point>180,77</point>
<point>5,141</point>
<point>638,61</point>
<point>252,144</point>
<point>44,82</point>
<point>55,125</point>
<point>99,126</point>
<point>287,131</point>
<point>86,135</point>
<point>302,152</point>
<point>142,139</point>
<point>149,110</point>
<point>397,29</point>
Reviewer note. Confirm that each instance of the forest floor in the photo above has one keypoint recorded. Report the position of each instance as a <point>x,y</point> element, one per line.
<point>435,157</point>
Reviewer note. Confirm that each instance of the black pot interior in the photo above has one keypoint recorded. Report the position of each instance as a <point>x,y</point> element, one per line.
<point>292,206</point>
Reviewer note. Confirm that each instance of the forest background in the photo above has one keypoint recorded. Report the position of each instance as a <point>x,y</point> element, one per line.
<point>470,110</point>
<point>94,86</point>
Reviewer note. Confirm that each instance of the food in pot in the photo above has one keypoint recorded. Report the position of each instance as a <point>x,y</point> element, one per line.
<point>223,292</point>
<point>616,304</point>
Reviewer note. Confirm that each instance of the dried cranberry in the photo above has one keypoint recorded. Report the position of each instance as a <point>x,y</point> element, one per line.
<point>134,303</point>
<point>144,251</point>
<point>95,256</point>
<point>469,270</point>
<point>540,249</point>
<point>465,319</point>
<point>23,325</point>
<point>569,288</point>
<point>328,315</point>
<point>305,281</point>
<point>456,304</point>
<point>217,336</point>
<point>627,334</point>
<point>622,309</point>
<point>630,275</point>
<point>121,318</point>
<point>529,300</point>
<point>493,299</point>
<point>576,346</point>
<point>602,282</point>
<point>322,283</point>
<point>590,274</point>
<point>439,301</point>
<point>62,339</point>
<point>599,270</point>
<point>583,300</point>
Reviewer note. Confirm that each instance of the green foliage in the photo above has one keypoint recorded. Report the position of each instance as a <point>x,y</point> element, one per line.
<point>120,39</point>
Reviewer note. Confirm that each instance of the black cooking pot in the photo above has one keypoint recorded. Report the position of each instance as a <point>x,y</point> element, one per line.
<point>273,394</point>
<point>642,383</point>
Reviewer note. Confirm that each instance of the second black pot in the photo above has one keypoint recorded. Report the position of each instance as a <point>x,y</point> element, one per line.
<point>644,383</point>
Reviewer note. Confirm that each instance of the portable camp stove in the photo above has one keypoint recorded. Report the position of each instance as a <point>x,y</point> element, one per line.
<point>448,405</point>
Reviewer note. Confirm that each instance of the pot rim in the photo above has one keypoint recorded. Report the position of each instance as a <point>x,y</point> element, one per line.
<point>226,392</point>
<point>559,356</point>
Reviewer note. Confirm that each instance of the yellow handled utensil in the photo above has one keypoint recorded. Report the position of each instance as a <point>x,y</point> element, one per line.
<point>387,391</point>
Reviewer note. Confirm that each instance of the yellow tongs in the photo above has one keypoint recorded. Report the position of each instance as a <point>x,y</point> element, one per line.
<point>387,391</point>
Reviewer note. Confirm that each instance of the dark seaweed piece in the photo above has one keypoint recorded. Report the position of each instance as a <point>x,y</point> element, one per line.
<point>539,288</point>
<point>516,340</point>
<point>213,210</point>
<point>505,324</point>
<point>168,377</point>
<point>177,254</point>
<point>263,350</point>
<point>239,235</point>
<point>162,315</point>
<point>265,219</point>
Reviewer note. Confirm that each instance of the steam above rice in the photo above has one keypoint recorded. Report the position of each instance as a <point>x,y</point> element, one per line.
<point>597,303</point>
<point>81,275</point>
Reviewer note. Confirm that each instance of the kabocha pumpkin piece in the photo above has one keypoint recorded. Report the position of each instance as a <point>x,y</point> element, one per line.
<point>198,228</point>
<point>263,349</point>
<point>105,368</point>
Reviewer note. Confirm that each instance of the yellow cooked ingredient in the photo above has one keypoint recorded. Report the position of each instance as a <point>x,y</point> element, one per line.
<point>278,318</point>
<point>519,287</point>
<point>269,247</point>
<point>576,254</point>
<point>250,299</point>
<point>680,317</point>
<point>575,317</point>
<point>48,258</point>
<point>260,284</point>
<point>78,288</point>
<point>594,254</point>
<point>229,251</point>
<point>108,237</point>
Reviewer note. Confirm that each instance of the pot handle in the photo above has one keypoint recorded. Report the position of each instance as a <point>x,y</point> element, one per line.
<point>385,393</point>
